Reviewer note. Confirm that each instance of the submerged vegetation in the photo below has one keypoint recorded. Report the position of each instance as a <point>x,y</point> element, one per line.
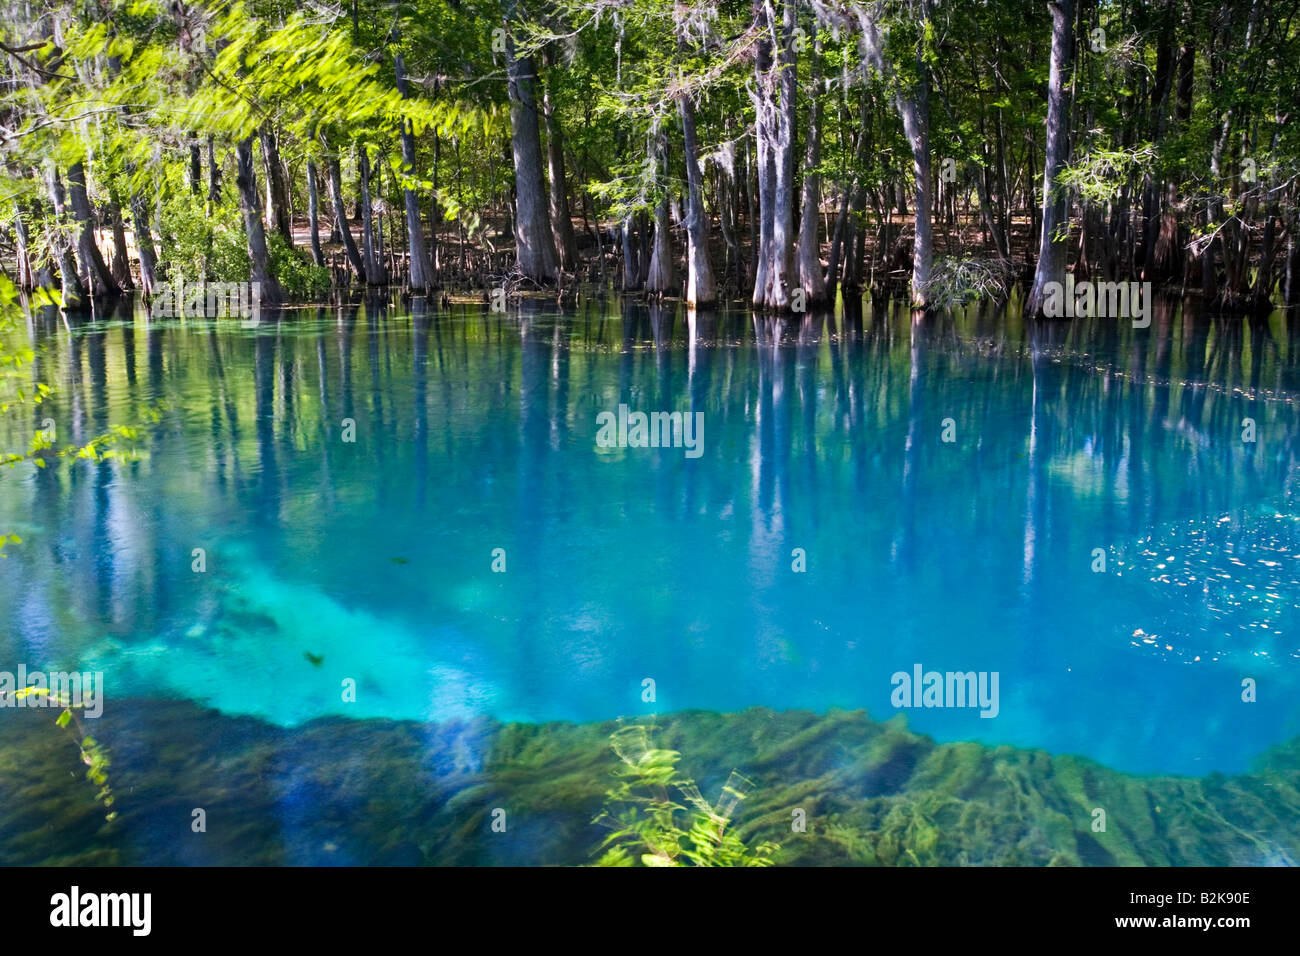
<point>93,754</point>
<point>645,818</point>
<point>405,793</point>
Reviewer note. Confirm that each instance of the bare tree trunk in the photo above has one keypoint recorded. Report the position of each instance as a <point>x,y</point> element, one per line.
<point>196,165</point>
<point>775,130</point>
<point>144,244</point>
<point>313,214</point>
<point>535,256</point>
<point>74,292</point>
<point>661,278</point>
<point>561,215</point>
<point>421,270</point>
<point>810,263</point>
<point>89,258</point>
<point>277,192</point>
<point>370,252</point>
<point>341,219</point>
<point>23,245</point>
<point>214,172</point>
<point>120,266</point>
<point>701,286</point>
<point>42,261</point>
<point>250,209</point>
<point>1051,249</point>
<point>764,133</point>
<point>1291,279</point>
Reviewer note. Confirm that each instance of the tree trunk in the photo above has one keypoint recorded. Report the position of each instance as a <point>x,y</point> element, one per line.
<point>23,245</point>
<point>631,270</point>
<point>914,107</point>
<point>810,263</point>
<point>89,258</point>
<point>701,286</point>
<point>250,209</point>
<point>313,214</point>
<point>120,266</point>
<point>778,275</point>
<point>214,172</point>
<point>561,215</point>
<point>421,270</point>
<point>277,193</point>
<point>370,253</point>
<point>1051,249</point>
<point>74,291</point>
<point>341,220</point>
<point>764,133</point>
<point>535,256</point>
<point>196,165</point>
<point>144,243</point>
<point>661,278</point>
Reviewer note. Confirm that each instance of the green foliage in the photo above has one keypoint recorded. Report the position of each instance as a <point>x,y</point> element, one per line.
<point>1101,174</point>
<point>648,825</point>
<point>202,247</point>
<point>296,273</point>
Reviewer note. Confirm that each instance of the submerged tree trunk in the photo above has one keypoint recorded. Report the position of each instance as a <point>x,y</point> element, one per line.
<point>1051,248</point>
<point>535,245</point>
<point>250,209</point>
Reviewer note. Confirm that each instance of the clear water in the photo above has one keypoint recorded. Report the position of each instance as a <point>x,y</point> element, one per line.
<point>371,560</point>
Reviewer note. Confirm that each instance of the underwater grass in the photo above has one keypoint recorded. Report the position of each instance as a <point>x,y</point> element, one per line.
<point>383,792</point>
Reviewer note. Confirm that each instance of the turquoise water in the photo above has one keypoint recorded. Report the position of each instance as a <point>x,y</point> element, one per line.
<point>371,560</point>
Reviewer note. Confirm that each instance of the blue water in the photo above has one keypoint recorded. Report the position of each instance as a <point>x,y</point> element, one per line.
<point>372,560</point>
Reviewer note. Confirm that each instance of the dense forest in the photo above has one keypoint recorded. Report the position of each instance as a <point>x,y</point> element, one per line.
<point>777,152</point>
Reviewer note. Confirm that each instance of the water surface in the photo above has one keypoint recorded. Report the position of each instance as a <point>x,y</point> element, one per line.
<point>372,560</point>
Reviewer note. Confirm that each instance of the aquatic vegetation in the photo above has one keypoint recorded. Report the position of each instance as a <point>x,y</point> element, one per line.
<point>402,793</point>
<point>645,818</point>
<point>93,754</point>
